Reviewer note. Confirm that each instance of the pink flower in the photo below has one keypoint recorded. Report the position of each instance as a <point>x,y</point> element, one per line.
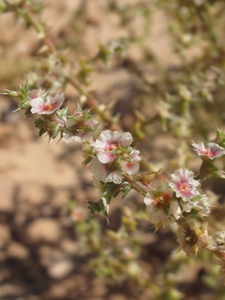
<point>114,156</point>
<point>110,144</point>
<point>199,204</point>
<point>36,94</point>
<point>80,132</point>
<point>131,164</point>
<point>106,172</point>
<point>210,150</point>
<point>45,104</point>
<point>113,172</point>
<point>161,206</point>
<point>184,184</point>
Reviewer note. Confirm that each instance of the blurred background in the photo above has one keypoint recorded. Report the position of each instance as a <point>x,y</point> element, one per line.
<point>165,84</point>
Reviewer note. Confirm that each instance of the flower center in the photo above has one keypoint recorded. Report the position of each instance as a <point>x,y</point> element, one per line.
<point>111,147</point>
<point>49,106</point>
<point>207,153</point>
<point>184,187</point>
<point>162,200</point>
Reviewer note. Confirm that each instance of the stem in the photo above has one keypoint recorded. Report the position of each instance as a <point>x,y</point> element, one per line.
<point>203,171</point>
<point>75,85</point>
<point>39,29</point>
<point>94,105</point>
<point>57,119</point>
<point>42,34</point>
<point>35,24</point>
<point>136,185</point>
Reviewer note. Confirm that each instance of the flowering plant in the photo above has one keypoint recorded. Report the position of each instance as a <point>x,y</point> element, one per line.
<point>115,165</point>
<point>173,194</point>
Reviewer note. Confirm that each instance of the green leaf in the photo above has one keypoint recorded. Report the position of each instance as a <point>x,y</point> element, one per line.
<point>42,131</point>
<point>87,160</point>
<point>126,190</point>
<point>24,93</point>
<point>99,207</point>
<point>55,129</point>
<point>63,112</point>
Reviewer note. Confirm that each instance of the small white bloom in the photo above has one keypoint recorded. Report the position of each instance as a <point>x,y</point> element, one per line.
<point>210,150</point>
<point>184,184</point>
<point>161,207</point>
<point>199,203</point>
<point>105,173</point>
<point>45,105</point>
<point>107,146</point>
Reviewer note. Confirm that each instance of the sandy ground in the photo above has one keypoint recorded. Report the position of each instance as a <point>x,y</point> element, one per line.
<point>39,258</point>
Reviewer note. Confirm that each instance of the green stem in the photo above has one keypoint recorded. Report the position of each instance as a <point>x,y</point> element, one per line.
<point>136,185</point>
<point>203,171</point>
<point>94,105</point>
<point>75,85</point>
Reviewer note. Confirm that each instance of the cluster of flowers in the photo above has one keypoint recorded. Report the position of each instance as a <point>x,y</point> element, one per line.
<point>114,156</point>
<point>161,203</point>
<point>54,120</point>
<point>163,206</point>
<point>114,162</point>
<point>111,153</point>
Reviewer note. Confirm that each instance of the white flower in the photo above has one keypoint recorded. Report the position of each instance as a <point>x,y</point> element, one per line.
<point>110,144</point>
<point>105,173</point>
<point>161,206</point>
<point>45,104</point>
<point>184,184</point>
<point>79,130</point>
<point>217,242</point>
<point>130,165</point>
<point>210,150</point>
<point>199,203</point>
